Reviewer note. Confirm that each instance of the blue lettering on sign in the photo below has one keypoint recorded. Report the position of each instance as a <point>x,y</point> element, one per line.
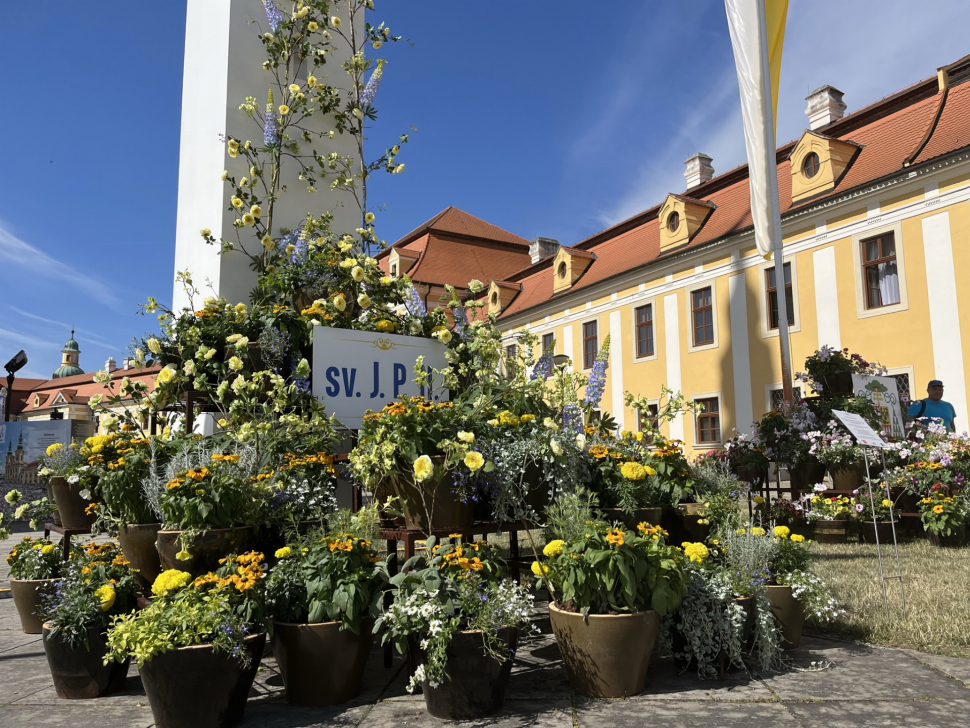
<point>349,383</point>
<point>377,379</point>
<point>400,377</point>
<point>334,388</point>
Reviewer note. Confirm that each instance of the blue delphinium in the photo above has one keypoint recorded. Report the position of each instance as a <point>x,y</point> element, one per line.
<point>597,378</point>
<point>461,320</point>
<point>273,14</point>
<point>543,367</point>
<point>370,90</point>
<point>271,133</point>
<point>572,418</point>
<point>414,303</point>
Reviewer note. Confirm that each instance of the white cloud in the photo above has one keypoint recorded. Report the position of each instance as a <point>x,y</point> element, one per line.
<point>89,336</point>
<point>17,252</point>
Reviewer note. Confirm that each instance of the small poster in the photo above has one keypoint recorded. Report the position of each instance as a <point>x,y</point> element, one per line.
<point>882,392</point>
<point>23,442</point>
<point>859,429</point>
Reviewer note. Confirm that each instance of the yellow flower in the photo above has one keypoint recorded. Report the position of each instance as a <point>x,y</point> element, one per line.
<point>696,552</point>
<point>554,548</point>
<point>236,202</point>
<point>466,436</point>
<point>267,242</point>
<point>294,88</point>
<point>166,375</point>
<point>184,555</point>
<point>235,363</point>
<point>423,468</point>
<point>369,217</point>
<point>283,552</point>
<point>311,81</point>
<point>782,531</point>
<point>757,531</point>
<point>474,460</point>
<point>386,327</point>
<point>312,27</point>
<point>614,536</point>
<point>170,579</point>
<point>284,109</point>
<point>248,220</point>
<point>633,471</point>
<point>106,594</point>
<point>885,503</point>
<point>255,211</point>
<point>758,499</point>
<point>938,509</point>
<point>539,569</point>
<point>154,346</point>
<point>48,549</point>
<point>335,21</point>
<point>339,303</point>
<point>797,538</point>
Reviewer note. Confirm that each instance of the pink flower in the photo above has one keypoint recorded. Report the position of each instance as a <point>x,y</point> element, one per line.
<point>858,508</point>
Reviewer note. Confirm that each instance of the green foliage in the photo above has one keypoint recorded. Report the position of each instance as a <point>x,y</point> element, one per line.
<point>943,514</point>
<point>569,515</point>
<point>36,559</point>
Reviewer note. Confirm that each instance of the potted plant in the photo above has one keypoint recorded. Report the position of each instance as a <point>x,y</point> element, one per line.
<point>624,479</point>
<point>198,644</point>
<point>745,457</point>
<point>67,469</point>
<point>829,371</point>
<point>609,588</point>
<point>781,432</point>
<point>34,566</point>
<point>96,585</point>
<point>944,517</point>
<point>461,620</point>
<point>830,515</point>
<point>323,595</point>
<point>877,515</point>
<point>58,463</point>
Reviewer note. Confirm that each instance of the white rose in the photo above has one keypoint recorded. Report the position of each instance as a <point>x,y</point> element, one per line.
<point>581,441</point>
<point>556,447</point>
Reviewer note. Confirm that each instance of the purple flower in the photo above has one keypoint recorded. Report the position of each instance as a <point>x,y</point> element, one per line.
<point>543,367</point>
<point>271,133</point>
<point>273,14</point>
<point>370,90</point>
<point>461,320</point>
<point>414,303</point>
<point>572,418</point>
<point>597,378</point>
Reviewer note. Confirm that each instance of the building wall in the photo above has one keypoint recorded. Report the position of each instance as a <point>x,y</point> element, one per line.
<point>925,335</point>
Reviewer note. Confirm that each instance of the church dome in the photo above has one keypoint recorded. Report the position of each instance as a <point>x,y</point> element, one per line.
<point>70,359</point>
<point>66,370</point>
<point>72,345</point>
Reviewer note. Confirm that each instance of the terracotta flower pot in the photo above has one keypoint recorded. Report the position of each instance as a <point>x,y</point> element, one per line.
<point>205,551</point>
<point>138,545</point>
<point>27,597</point>
<point>80,673</point>
<point>831,531</point>
<point>320,664</point>
<point>197,687</point>
<point>70,504</point>
<point>869,529</point>
<point>435,499</point>
<point>606,656</point>
<point>848,477</point>
<point>954,540</point>
<point>476,682</point>
<point>789,613</point>
<point>653,516</point>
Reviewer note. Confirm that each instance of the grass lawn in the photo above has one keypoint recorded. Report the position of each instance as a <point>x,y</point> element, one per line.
<point>937,584</point>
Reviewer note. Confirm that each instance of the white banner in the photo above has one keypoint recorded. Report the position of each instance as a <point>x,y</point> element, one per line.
<point>355,371</point>
<point>883,393</point>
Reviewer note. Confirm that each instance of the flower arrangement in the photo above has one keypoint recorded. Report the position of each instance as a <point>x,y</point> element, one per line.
<point>35,512</point>
<point>59,460</point>
<point>96,585</point>
<point>745,450</point>
<point>120,482</point>
<point>220,609</point>
<point>781,432</point>
<point>874,506</point>
<point>454,586</point>
<point>829,508</point>
<point>622,471</point>
<point>941,513</point>
<point>827,363</point>
<point>35,559</point>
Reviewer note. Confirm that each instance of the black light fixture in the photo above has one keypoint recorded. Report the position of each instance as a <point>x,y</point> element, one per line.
<point>14,365</point>
<point>560,360</point>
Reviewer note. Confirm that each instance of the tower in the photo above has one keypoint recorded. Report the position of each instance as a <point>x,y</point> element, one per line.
<point>70,358</point>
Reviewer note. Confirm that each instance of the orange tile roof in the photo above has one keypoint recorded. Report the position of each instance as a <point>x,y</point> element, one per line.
<point>77,389</point>
<point>458,222</point>
<point>887,131</point>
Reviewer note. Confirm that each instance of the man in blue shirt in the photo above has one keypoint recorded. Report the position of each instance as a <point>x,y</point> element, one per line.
<point>933,407</point>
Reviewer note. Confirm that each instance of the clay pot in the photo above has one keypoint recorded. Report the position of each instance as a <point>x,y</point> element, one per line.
<point>954,540</point>
<point>80,673</point>
<point>849,477</point>
<point>802,478</point>
<point>831,531</point>
<point>208,547</point>
<point>431,498</point>
<point>70,504</point>
<point>836,384</point>
<point>789,613</point>
<point>321,665</point>
<point>27,598</point>
<point>197,687</point>
<point>476,682</point>
<point>869,529</point>
<point>138,545</point>
<point>652,516</point>
<point>606,656</point>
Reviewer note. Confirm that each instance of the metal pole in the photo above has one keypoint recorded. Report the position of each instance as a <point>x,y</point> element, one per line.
<point>6,403</point>
<point>783,340</point>
<point>875,529</point>
<point>892,520</point>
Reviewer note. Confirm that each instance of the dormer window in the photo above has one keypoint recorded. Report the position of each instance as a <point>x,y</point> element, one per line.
<point>811,165</point>
<point>500,295</point>
<point>562,270</point>
<point>569,266</point>
<point>394,269</point>
<point>673,221</point>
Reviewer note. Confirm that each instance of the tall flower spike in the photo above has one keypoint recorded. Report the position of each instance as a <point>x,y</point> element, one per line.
<point>543,367</point>
<point>597,378</point>
<point>414,303</point>
<point>271,133</point>
<point>273,14</point>
<point>370,90</point>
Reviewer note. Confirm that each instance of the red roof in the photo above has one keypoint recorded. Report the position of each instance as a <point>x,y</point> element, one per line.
<point>888,132</point>
<point>76,389</point>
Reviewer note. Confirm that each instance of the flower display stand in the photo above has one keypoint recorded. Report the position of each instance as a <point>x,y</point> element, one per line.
<point>66,534</point>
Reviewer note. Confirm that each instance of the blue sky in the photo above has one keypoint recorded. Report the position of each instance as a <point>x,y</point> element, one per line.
<point>553,118</point>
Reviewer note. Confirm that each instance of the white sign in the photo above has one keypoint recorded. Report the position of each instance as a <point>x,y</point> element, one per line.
<point>859,429</point>
<point>354,371</point>
<point>883,393</point>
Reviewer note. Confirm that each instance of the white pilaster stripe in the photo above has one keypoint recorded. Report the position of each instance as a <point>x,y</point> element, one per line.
<point>567,343</point>
<point>941,289</point>
<point>672,351</point>
<point>826,298</point>
<point>616,368</point>
<point>740,354</point>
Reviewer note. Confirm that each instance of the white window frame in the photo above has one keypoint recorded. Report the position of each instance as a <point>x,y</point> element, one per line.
<point>652,302</point>
<point>767,333</point>
<point>688,291</point>
<point>860,294</point>
<point>582,343</point>
<point>720,413</point>
<point>777,387</point>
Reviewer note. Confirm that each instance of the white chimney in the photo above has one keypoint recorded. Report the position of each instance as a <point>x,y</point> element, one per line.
<point>825,105</point>
<point>542,248</point>
<point>111,364</point>
<point>128,363</point>
<point>699,169</point>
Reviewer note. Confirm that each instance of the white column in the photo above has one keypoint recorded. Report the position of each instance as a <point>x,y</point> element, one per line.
<point>616,368</point>
<point>944,319</point>
<point>826,298</point>
<point>567,344</point>
<point>672,350</point>
<point>223,65</point>
<point>740,354</point>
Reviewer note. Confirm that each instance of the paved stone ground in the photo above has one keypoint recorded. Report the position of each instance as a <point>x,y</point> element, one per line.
<point>866,686</point>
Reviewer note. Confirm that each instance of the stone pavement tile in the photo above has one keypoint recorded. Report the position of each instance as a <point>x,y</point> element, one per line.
<point>592,713</point>
<point>956,667</point>
<point>666,682</point>
<point>537,671</point>
<point>23,671</point>
<point>923,713</point>
<point>75,714</point>
<point>282,715</point>
<point>860,672</point>
<point>515,714</point>
<point>11,639</point>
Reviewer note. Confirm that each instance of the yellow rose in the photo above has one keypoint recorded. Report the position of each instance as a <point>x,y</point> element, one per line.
<point>554,548</point>
<point>236,202</point>
<point>369,217</point>
<point>466,436</point>
<point>235,363</point>
<point>294,88</point>
<point>364,300</point>
<point>474,460</point>
<point>387,327</point>
<point>357,273</point>
<point>154,346</point>
<point>311,81</point>
<point>255,210</point>
<point>165,376</point>
<point>312,27</point>
<point>267,242</point>
<point>423,468</point>
<point>339,303</point>
<point>335,21</point>
<point>248,220</point>
<point>284,109</point>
